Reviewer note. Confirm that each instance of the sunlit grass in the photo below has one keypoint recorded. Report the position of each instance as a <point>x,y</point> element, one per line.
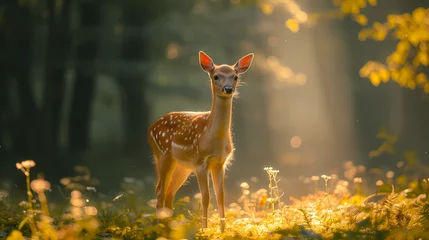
<point>353,207</point>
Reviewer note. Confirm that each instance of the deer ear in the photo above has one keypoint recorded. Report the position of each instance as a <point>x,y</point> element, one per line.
<point>206,62</point>
<point>244,63</point>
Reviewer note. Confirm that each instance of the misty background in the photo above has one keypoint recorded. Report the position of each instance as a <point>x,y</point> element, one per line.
<point>81,81</point>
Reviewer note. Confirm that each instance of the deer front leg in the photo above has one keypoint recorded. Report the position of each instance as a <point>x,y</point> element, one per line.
<point>218,175</point>
<point>203,183</point>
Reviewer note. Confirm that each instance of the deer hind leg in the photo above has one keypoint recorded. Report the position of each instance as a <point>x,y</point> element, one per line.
<point>179,177</point>
<point>165,168</point>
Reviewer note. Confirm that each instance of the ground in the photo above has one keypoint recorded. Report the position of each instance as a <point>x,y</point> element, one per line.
<point>398,208</point>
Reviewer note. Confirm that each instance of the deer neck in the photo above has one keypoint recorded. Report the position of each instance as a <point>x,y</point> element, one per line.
<point>219,123</point>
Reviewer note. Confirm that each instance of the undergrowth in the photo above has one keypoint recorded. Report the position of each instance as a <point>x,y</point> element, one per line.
<point>372,204</point>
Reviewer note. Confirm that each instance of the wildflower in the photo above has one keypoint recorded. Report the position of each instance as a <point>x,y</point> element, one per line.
<point>325,177</point>
<point>164,213</point>
<point>197,196</point>
<point>76,194</point>
<point>315,178</point>
<point>390,174</point>
<point>334,176</point>
<point>40,185</point>
<point>357,180</point>
<point>28,163</point>
<point>152,203</point>
<point>244,185</point>
<point>65,181</point>
<point>400,164</point>
<point>91,211</point>
<point>379,183</point>
<point>18,166</point>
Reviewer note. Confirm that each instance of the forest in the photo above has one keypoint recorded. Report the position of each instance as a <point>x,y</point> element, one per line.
<point>329,127</point>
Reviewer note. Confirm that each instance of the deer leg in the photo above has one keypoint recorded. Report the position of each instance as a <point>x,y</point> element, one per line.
<point>166,165</point>
<point>218,175</point>
<point>203,183</point>
<point>180,175</point>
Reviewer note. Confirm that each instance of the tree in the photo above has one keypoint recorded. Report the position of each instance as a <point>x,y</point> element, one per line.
<point>84,84</point>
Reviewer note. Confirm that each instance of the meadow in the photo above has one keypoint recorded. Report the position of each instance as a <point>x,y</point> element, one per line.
<point>362,204</point>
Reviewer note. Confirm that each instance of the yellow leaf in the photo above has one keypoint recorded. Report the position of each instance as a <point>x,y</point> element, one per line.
<point>411,85</point>
<point>372,2</point>
<point>362,19</point>
<point>346,7</point>
<point>423,58</point>
<point>414,38</point>
<point>266,8</point>
<point>426,88</point>
<point>403,46</point>
<point>361,3</point>
<point>292,24</point>
<point>354,9</point>
<point>391,20</point>
<point>364,34</point>
<point>395,75</point>
<point>421,79</point>
<point>15,235</point>
<point>419,15</point>
<point>375,79</point>
<point>396,57</point>
<point>384,75</point>
<point>380,34</point>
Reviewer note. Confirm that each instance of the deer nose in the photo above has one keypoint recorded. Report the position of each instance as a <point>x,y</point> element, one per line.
<point>228,89</point>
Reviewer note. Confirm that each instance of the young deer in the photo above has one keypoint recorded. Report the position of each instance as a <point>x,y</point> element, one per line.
<point>199,142</point>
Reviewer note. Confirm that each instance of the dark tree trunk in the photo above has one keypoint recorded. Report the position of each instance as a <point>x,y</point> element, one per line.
<point>132,82</point>
<point>16,36</point>
<point>56,59</point>
<point>5,113</point>
<point>84,84</point>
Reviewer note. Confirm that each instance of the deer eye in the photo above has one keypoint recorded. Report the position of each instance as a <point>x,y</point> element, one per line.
<point>235,78</point>
<point>216,77</point>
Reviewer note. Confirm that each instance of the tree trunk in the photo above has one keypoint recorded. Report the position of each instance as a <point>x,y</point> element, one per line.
<point>132,83</point>
<point>84,84</point>
<point>54,88</point>
<point>17,36</point>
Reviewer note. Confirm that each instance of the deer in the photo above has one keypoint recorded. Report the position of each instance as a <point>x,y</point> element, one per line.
<point>187,142</point>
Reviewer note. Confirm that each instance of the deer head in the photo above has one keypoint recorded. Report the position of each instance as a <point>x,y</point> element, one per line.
<point>224,78</point>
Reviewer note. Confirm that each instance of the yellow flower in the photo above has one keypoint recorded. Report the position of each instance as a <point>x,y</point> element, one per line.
<point>292,24</point>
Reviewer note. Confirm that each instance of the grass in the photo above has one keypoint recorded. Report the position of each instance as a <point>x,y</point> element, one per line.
<point>364,205</point>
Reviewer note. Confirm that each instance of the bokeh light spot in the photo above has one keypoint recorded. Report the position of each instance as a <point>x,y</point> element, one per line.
<point>295,142</point>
